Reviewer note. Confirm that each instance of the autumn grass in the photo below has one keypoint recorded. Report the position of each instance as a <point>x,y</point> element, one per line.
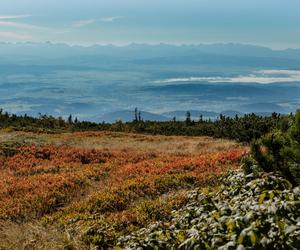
<point>76,190</point>
<point>122,141</point>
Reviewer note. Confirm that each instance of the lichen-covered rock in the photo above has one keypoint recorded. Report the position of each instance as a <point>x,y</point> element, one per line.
<point>248,213</point>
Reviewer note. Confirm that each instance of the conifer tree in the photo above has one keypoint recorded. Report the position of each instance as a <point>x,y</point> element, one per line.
<point>70,119</point>
<point>135,114</point>
<point>188,119</point>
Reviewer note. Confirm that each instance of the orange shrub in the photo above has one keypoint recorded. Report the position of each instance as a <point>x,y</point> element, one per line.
<point>39,180</point>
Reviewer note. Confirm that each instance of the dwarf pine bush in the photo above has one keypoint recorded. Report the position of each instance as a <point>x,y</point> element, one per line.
<point>279,151</point>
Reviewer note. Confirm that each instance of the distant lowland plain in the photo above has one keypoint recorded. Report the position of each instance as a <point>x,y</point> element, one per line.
<point>106,83</point>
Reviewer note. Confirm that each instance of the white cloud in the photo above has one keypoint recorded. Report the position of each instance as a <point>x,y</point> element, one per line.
<point>19,25</point>
<point>189,79</point>
<point>110,19</point>
<point>279,72</point>
<point>7,21</point>
<point>82,23</point>
<point>86,22</point>
<point>14,17</point>
<point>262,76</point>
<point>14,36</point>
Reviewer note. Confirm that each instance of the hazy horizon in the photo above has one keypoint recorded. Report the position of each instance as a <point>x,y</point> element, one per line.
<point>100,59</point>
<point>269,23</point>
<point>105,82</point>
<point>151,44</point>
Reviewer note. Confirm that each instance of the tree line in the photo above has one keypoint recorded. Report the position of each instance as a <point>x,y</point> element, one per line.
<point>240,128</point>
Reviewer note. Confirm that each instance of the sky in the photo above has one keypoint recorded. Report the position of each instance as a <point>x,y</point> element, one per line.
<point>272,23</point>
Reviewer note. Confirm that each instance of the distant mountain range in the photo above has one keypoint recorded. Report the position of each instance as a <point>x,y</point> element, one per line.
<point>99,82</point>
<point>145,53</point>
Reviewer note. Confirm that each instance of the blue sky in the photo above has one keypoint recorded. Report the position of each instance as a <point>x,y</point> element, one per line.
<point>273,23</point>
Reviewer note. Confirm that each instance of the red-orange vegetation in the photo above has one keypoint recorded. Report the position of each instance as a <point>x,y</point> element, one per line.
<point>40,180</point>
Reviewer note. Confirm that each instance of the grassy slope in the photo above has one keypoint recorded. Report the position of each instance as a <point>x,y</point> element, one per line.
<point>78,189</point>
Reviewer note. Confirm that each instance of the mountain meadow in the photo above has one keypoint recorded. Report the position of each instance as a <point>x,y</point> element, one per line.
<point>149,125</point>
<point>232,183</point>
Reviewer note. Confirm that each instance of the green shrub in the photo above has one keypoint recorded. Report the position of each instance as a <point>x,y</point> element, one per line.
<point>279,151</point>
<point>249,166</point>
<point>248,213</point>
<point>9,149</point>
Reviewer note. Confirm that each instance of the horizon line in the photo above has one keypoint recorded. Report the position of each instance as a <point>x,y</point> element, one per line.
<point>149,44</point>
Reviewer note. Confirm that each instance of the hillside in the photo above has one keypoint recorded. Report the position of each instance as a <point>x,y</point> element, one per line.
<point>80,189</point>
<point>149,125</point>
<point>116,190</point>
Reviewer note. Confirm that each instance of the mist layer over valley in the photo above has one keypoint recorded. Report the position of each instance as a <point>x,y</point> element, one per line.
<point>106,83</point>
